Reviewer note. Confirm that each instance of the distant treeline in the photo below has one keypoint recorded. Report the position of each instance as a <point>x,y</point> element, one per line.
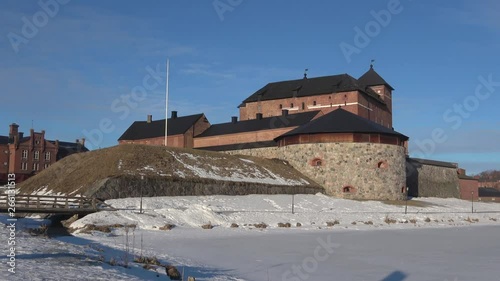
<point>490,175</point>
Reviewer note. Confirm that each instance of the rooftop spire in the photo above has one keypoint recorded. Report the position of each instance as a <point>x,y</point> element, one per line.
<point>371,63</point>
<point>305,73</point>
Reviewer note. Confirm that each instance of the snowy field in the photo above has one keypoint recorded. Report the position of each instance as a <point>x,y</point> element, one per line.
<point>439,239</point>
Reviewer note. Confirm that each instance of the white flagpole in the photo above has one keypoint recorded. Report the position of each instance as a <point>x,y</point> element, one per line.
<point>166,104</point>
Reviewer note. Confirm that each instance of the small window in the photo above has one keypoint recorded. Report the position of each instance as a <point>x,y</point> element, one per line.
<point>25,154</point>
<point>348,189</point>
<point>314,103</point>
<point>36,155</point>
<point>291,105</point>
<point>303,106</point>
<point>24,166</point>
<point>317,162</point>
<point>35,166</point>
<point>281,106</point>
<point>382,165</point>
<point>47,155</point>
<point>46,166</point>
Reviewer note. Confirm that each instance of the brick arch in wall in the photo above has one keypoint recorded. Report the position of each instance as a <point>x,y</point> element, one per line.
<point>316,162</point>
<point>383,164</point>
<point>348,189</point>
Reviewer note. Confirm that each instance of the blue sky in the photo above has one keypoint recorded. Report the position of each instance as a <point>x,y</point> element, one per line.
<point>70,74</point>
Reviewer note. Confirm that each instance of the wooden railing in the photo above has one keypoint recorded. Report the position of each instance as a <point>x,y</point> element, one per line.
<point>45,202</point>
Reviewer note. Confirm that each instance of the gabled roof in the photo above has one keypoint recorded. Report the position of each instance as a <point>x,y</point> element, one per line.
<point>342,121</point>
<point>372,78</point>
<point>275,122</point>
<point>310,87</point>
<point>144,130</point>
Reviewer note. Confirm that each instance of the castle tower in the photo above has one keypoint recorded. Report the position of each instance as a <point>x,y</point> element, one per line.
<point>375,82</point>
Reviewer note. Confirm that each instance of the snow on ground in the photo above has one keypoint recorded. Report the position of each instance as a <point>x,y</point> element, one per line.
<point>250,173</point>
<point>453,244</point>
<point>311,211</point>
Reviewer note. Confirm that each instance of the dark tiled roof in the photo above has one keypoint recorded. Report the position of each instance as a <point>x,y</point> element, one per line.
<point>310,87</point>
<point>342,121</point>
<point>238,146</point>
<point>488,192</point>
<point>4,140</point>
<point>433,162</point>
<point>372,78</point>
<point>275,122</point>
<point>68,148</point>
<point>144,130</point>
<point>465,177</point>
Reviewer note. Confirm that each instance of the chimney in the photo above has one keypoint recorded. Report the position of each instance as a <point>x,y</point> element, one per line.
<point>150,118</point>
<point>234,119</point>
<point>21,135</point>
<point>284,112</point>
<point>259,116</point>
<point>174,114</point>
<point>13,130</point>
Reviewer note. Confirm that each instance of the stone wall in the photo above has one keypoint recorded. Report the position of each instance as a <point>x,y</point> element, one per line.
<point>347,170</point>
<point>130,186</point>
<point>427,180</point>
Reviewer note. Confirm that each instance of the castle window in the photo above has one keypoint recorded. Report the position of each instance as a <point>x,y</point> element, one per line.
<point>314,102</point>
<point>382,164</point>
<point>25,154</point>
<point>291,105</point>
<point>281,106</point>
<point>303,106</point>
<point>317,162</point>
<point>36,155</point>
<point>24,166</point>
<point>35,166</point>
<point>46,166</point>
<point>47,155</point>
<point>348,189</point>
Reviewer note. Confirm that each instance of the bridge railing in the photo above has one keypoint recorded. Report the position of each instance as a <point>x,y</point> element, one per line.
<point>52,202</point>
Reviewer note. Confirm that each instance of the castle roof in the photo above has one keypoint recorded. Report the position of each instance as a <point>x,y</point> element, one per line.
<point>372,78</point>
<point>342,121</point>
<point>144,130</point>
<point>433,162</point>
<point>275,122</point>
<point>310,87</point>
